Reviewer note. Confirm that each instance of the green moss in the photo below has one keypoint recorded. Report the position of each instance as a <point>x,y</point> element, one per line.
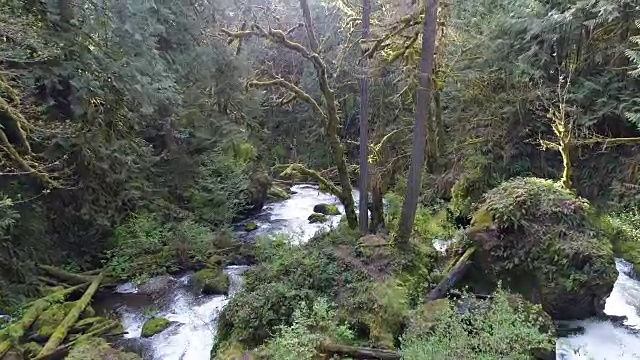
<point>98,349</point>
<point>250,226</point>
<point>49,320</point>
<point>154,326</point>
<point>624,231</point>
<point>533,231</point>
<point>31,349</point>
<point>212,281</point>
<point>215,261</point>
<point>326,209</point>
<point>317,218</point>
<point>277,193</point>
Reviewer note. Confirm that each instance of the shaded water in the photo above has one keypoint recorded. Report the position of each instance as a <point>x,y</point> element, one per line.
<point>190,337</point>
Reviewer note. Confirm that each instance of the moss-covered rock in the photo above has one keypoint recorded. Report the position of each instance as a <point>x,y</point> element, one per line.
<point>98,349</point>
<point>277,193</point>
<point>49,320</point>
<point>317,218</point>
<point>250,226</point>
<point>154,326</point>
<point>212,281</point>
<point>542,241</point>
<point>216,261</point>
<point>257,190</point>
<point>326,209</point>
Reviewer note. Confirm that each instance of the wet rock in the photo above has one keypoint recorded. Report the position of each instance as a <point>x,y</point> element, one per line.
<point>154,326</point>
<point>250,226</point>
<point>317,218</point>
<point>212,282</point>
<point>326,209</point>
<point>257,190</point>
<point>277,193</point>
<point>157,285</point>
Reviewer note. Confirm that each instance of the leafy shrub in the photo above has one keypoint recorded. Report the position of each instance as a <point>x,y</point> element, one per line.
<point>497,331</point>
<point>310,327</point>
<point>624,232</point>
<point>144,246</point>
<point>220,189</point>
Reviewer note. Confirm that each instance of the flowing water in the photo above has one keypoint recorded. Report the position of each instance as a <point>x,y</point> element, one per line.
<point>193,316</point>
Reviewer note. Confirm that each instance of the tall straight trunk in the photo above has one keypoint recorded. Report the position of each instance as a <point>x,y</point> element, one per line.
<point>337,150</point>
<point>414,179</point>
<point>364,119</point>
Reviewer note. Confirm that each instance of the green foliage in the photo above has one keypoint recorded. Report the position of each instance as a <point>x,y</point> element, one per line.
<point>624,231</point>
<point>309,329</point>
<point>495,331</point>
<point>543,234</point>
<point>220,189</point>
<point>145,246</point>
<point>286,276</point>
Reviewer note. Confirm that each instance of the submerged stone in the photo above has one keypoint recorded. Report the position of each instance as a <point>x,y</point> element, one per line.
<point>317,218</point>
<point>250,226</point>
<point>154,326</point>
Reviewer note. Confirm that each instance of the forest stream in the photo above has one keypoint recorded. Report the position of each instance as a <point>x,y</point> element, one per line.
<point>193,316</point>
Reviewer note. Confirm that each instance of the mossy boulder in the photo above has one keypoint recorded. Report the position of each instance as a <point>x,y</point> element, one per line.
<point>49,320</point>
<point>317,218</point>
<point>98,349</point>
<point>212,281</point>
<point>216,261</point>
<point>257,190</point>
<point>277,193</point>
<point>154,326</point>
<point>545,243</point>
<point>250,226</point>
<point>326,209</point>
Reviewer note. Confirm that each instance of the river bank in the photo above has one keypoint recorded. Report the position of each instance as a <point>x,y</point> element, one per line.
<point>195,315</point>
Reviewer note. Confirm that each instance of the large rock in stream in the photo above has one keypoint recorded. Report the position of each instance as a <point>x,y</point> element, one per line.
<point>545,243</point>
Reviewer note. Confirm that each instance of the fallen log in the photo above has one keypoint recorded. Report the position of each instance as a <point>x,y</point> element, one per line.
<point>453,276</point>
<point>66,276</point>
<point>63,329</point>
<point>17,329</point>
<point>60,351</point>
<point>359,352</point>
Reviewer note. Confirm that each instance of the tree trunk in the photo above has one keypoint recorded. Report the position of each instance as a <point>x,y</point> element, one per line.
<point>453,276</point>
<point>377,210</point>
<point>364,119</point>
<point>337,150</point>
<point>63,328</point>
<point>414,179</point>
<point>68,277</point>
<point>359,352</point>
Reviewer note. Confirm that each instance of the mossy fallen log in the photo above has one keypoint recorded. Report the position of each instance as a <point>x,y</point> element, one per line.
<point>453,276</point>
<point>63,329</point>
<point>60,351</point>
<point>66,276</point>
<point>17,329</point>
<point>359,352</point>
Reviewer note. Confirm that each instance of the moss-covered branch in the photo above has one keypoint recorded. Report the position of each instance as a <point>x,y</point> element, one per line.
<point>453,276</point>
<point>296,91</point>
<point>61,331</point>
<point>324,182</point>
